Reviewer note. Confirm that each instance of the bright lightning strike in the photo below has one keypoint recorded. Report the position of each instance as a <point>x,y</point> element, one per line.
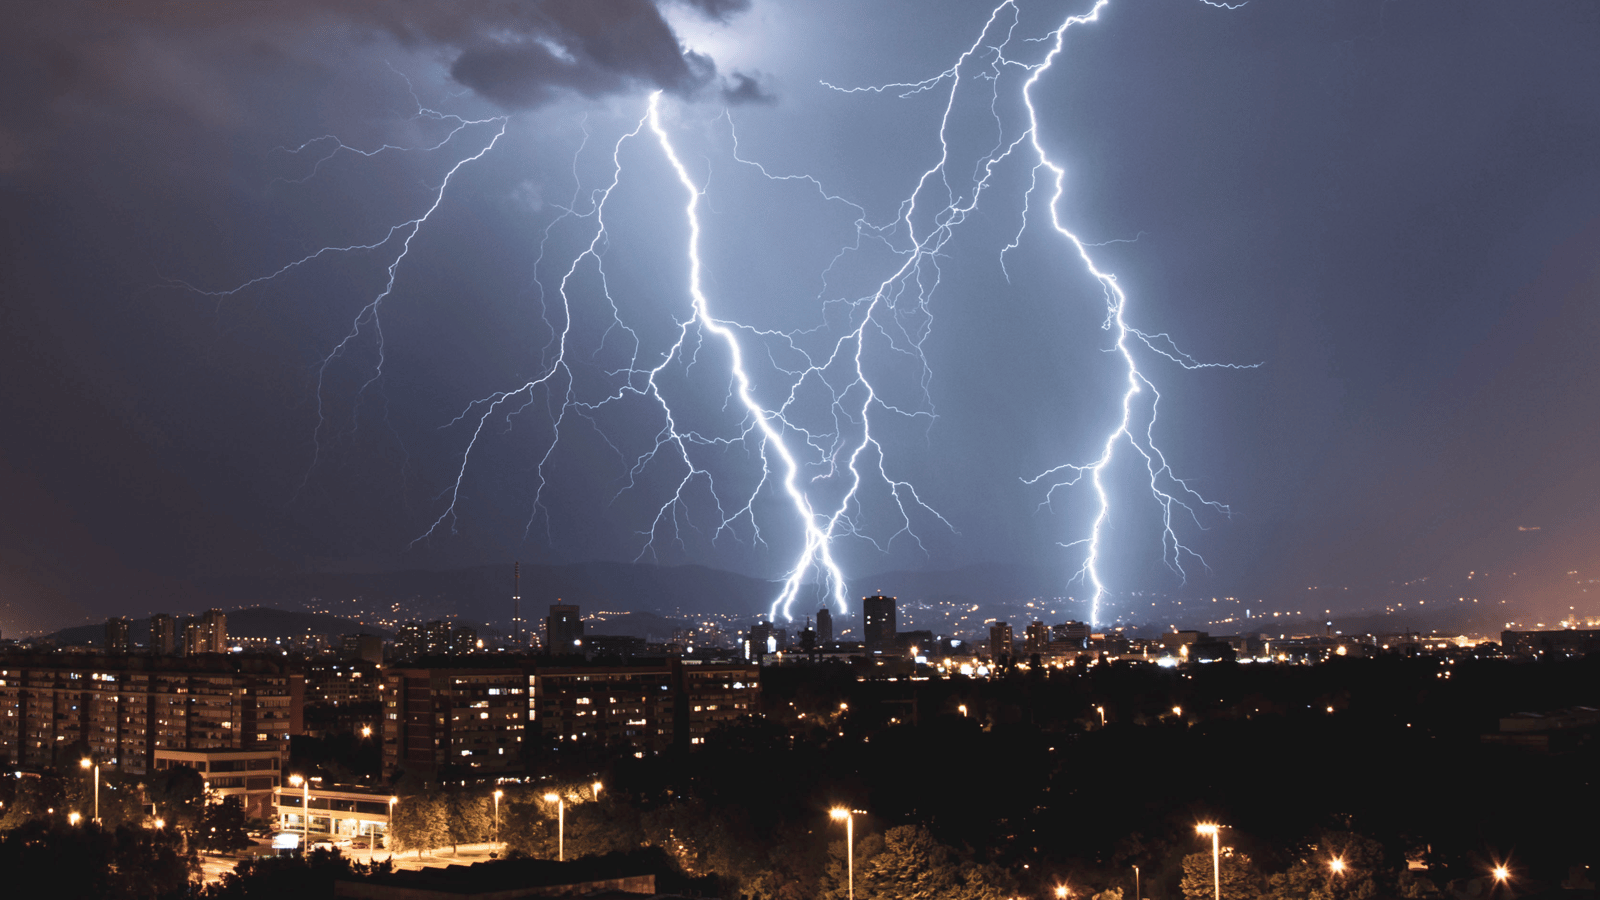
<point>799,403</point>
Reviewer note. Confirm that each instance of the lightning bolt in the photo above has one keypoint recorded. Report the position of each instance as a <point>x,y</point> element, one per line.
<point>1135,426</point>
<point>799,403</point>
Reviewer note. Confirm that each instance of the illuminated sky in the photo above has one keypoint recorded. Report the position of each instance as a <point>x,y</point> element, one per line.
<point>1390,206</point>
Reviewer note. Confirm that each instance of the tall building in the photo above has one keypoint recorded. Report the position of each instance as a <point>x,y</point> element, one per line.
<point>127,708</point>
<point>162,642</point>
<point>117,635</point>
<point>879,627</point>
<point>1001,641</point>
<point>824,627</point>
<point>467,718</point>
<point>1036,639</point>
<point>364,647</point>
<point>207,634</point>
<point>563,629</point>
<point>645,708</point>
<point>517,640</point>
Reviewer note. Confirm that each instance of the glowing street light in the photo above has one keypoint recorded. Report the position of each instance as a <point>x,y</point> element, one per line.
<point>1136,883</point>
<point>366,731</point>
<point>305,808</point>
<point>497,795</point>
<point>1337,865</point>
<point>1501,873</point>
<point>848,817</point>
<point>160,824</point>
<point>597,786</point>
<point>561,825</point>
<point>73,818</point>
<point>1062,892</point>
<point>88,764</point>
<point>1212,828</point>
<point>1102,711</point>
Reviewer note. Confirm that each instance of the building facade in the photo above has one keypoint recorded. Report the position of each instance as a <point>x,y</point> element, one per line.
<point>124,709</point>
<point>467,719</point>
<point>879,624</point>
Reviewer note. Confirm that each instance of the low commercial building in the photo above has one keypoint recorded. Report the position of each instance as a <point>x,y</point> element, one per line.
<point>251,775</point>
<point>337,812</point>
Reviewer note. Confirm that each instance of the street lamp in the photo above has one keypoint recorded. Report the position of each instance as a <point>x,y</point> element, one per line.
<point>1337,865</point>
<point>848,817</point>
<point>597,786</point>
<point>497,795</point>
<point>561,825</point>
<point>305,808</point>
<point>1062,892</point>
<point>160,824</point>
<point>73,818</point>
<point>1136,883</point>
<point>88,764</point>
<point>389,829</point>
<point>1212,829</point>
<point>1102,711</point>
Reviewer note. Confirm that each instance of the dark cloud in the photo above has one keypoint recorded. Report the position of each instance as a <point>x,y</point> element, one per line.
<point>720,10</point>
<point>743,89</point>
<point>591,47</point>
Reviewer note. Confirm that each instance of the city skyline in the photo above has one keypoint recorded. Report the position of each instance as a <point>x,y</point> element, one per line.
<point>1389,209</point>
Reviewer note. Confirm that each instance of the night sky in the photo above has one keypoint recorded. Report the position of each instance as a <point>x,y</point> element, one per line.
<point>1392,207</point>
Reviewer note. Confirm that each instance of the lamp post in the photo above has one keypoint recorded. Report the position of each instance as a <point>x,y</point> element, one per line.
<point>1136,883</point>
<point>389,828</point>
<point>305,808</point>
<point>88,764</point>
<point>561,825</point>
<point>848,817</point>
<point>1501,873</point>
<point>497,795</point>
<point>74,818</point>
<point>1212,829</point>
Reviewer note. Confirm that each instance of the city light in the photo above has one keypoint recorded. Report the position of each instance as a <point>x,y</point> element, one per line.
<point>1337,865</point>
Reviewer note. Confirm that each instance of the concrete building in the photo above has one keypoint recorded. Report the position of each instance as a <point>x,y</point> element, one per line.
<point>879,624</point>
<point>643,708</point>
<point>467,719</point>
<point>1560,642</point>
<point>824,627</point>
<point>251,775</point>
<point>362,647</point>
<point>1002,642</point>
<point>563,629</point>
<point>127,708</point>
<point>207,634</point>
<point>338,812</point>
<point>162,636</point>
<point>117,640</point>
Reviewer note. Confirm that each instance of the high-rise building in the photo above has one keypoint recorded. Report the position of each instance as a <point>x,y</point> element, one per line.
<point>364,647</point>
<point>162,641</point>
<point>517,640</point>
<point>563,629</point>
<point>207,634</point>
<point>1036,639</point>
<point>471,719</point>
<point>126,708</point>
<point>1001,641</point>
<point>117,635</point>
<point>879,627</point>
<point>824,627</point>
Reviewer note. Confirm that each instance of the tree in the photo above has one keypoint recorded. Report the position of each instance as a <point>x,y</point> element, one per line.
<point>179,795</point>
<point>222,829</point>
<point>1240,880</point>
<point>1360,875</point>
<point>471,819</point>
<point>421,822</point>
<point>907,863</point>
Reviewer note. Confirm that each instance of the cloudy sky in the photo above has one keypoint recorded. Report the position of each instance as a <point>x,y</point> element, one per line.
<point>358,286</point>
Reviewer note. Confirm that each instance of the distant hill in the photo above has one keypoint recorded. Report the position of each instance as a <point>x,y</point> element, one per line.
<point>483,593</point>
<point>256,622</point>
